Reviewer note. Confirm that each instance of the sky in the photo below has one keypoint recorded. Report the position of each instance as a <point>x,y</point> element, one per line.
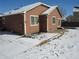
<point>65,5</point>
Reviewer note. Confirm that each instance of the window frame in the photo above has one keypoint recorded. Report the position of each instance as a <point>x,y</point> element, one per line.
<point>52,20</point>
<point>59,21</point>
<point>31,21</point>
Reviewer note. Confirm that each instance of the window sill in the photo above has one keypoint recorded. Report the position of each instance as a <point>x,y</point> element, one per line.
<point>35,25</point>
<point>53,24</point>
<point>58,26</point>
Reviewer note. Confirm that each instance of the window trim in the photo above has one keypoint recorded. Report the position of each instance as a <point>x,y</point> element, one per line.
<point>52,19</point>
<point>59,19</point>
<point>30,20</point>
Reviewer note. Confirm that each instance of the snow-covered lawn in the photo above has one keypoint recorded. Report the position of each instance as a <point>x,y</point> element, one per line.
<point>12,44</point>
<point>66,47</point>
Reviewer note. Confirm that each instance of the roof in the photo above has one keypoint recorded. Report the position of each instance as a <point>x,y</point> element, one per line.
<point>50,9</point>
<point>25,8</point>
<point>76,9</point>
<point>1,14</point>
<point>29,7</point>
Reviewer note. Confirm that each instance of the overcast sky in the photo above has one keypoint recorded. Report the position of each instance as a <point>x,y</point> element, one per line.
<point>67,5</point>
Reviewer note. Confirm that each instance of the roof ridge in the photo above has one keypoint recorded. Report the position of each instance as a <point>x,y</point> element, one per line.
<point>50,9</point>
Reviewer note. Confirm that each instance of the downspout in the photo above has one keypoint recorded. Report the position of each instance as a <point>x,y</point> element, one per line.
<point>47,22</point>
<point>24,23</point>
<point>60,22</point>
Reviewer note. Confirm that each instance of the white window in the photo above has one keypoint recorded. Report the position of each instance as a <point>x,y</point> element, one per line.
<point>34,20</point>
<point>53,20</point>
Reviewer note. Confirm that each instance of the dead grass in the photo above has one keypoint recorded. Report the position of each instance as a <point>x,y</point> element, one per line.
<point>60,30</point>
<point>43,42</point>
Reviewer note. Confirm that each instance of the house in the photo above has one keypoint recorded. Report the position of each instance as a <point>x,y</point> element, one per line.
<point>33,18</point>
<point>1,20</point>
<point>75,14</point>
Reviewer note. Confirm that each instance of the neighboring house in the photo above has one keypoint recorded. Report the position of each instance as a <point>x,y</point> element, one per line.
<point>75,14</point>
<point>72,20</point>
<point>33,18</point>
<point>1,20</point>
